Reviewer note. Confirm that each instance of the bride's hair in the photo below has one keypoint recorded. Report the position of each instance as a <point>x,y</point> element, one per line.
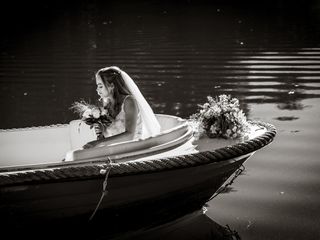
<point>109,76</point>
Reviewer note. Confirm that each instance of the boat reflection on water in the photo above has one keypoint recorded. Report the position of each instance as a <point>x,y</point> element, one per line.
<point>186,223</point>
<point>180,224</point>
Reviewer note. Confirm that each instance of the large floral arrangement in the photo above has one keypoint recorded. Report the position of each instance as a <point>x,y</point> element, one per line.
<point>220,117</point>
<point>94,116</point>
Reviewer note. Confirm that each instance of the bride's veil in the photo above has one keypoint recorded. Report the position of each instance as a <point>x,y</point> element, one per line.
<point>150,124</point>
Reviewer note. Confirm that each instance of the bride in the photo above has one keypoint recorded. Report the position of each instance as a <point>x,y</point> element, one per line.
<point>133,116</point>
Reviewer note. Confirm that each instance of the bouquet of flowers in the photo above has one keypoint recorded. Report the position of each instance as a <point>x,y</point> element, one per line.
<point>220,117</point>
<point>94,116</point>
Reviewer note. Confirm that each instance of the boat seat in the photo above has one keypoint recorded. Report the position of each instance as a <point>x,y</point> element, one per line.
<point>81,133</point>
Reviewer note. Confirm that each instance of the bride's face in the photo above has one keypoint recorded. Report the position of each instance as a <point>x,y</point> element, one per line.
<point>103,90</point>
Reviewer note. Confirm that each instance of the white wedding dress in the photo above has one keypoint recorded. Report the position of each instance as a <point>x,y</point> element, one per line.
<point>147,123</point>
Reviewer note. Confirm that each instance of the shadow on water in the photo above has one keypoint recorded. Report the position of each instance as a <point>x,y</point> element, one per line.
<point>186,224</point>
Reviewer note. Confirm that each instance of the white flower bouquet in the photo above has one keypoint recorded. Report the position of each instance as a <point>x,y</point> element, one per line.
<point>220,117</point>
<point>94,116</point>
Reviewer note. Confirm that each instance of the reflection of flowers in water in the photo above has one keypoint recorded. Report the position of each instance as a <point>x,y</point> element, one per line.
<point>291,106</point>
<point>220,117</point>
<point>94,116</point>
<point>286,118</point>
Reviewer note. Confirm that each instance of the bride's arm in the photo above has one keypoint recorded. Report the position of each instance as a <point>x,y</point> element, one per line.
<point>131,113</point>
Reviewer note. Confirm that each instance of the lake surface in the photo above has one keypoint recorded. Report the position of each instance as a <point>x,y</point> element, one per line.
<point>265,54</point>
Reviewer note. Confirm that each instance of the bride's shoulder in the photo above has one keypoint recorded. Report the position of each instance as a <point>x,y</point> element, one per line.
<point>129,99</point>
<point>129,103</point>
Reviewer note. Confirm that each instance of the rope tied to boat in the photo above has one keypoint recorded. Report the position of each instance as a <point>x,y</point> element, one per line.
<point>104,192</point>
<point>223,188</point>
<point>234,235</point>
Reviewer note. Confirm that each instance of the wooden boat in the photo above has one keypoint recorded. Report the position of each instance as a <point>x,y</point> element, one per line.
<point>40,183</point>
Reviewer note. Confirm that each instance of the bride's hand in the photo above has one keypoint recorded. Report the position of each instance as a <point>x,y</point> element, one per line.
<point>92,144</point>
<point>106,101</point>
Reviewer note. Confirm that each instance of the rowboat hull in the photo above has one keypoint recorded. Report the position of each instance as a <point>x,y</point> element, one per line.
<point>159,191</point>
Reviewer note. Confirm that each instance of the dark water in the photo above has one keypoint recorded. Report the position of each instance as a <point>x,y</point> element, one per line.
<point>267,54</point>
